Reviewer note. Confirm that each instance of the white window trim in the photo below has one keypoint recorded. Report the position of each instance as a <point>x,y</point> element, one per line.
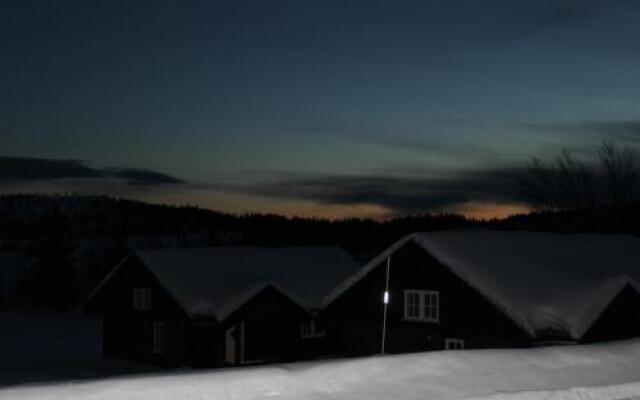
<point>311,330</point>
<point>142,299</point>
<point>448,342</point>
<point>159,334</point>
<point>422,306</point>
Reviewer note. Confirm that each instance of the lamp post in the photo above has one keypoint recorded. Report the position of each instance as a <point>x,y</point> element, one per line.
<point>385,300</point>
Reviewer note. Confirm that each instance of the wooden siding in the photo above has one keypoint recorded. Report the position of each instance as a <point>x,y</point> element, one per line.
<point>271,329</point>
<point>271,323</point>
<point>355,319</point>
<point>127,332</point>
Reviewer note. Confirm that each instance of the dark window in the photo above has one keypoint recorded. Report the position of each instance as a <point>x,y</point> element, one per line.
<point>142,299</point>
<point>310,329</point>
<point>453,344</point>
<point>422,305</point>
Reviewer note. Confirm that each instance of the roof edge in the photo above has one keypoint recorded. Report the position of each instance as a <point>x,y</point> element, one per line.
<point>601,306</point>
<point>184,309</point>
<point>363,271</point>
<point>506,311</point>
<point>368,267</point>
<point>106,279</point>
<point>240,299</point>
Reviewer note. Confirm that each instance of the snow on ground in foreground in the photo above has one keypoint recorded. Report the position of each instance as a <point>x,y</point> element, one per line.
<point>595,372</point>
<point>46,347</point>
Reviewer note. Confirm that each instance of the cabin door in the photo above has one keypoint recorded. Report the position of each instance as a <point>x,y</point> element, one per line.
<point>234,344</point>
<point>230,346</point>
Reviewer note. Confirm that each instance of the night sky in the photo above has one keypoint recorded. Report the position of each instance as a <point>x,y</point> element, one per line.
<point>325,108</point>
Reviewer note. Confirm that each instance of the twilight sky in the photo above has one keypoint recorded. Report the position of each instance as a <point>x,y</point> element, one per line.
<point>326,108</point>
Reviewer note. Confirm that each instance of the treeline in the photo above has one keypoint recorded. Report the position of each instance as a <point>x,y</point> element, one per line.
<point>68,243</point>
<point>146,224</point>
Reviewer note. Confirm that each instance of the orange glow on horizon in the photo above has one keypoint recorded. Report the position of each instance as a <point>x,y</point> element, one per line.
<point>487,211</point>
<point>241,204</point>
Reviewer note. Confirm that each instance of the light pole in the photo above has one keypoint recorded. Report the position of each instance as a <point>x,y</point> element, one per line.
<point>385,300</point>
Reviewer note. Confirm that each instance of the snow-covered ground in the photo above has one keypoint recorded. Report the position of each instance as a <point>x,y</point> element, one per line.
<point>595,372</point>
<point>47,347</point>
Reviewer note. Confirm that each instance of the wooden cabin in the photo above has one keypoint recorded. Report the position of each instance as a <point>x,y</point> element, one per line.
<point>481,289</point>
<point>218,305</point>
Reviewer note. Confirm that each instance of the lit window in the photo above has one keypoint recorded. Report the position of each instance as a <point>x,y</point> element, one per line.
<point>310,330</point>
<point>453,344</point>
<point>142,299</point>
<point>422,305</point>
<point>158,338</point>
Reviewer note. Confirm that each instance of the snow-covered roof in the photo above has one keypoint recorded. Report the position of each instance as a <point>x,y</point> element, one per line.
<point>543,281</point>
<point>215,281</point>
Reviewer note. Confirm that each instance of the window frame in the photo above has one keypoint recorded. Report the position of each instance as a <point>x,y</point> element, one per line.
<point>427,311</point>
<point>310,330</point>
<point>142,299</point>
<point>458,344</point>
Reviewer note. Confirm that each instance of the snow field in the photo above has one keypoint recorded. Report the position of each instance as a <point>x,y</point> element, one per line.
<point>595,372</point>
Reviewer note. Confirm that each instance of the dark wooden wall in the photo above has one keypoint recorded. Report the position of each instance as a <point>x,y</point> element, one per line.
<point>272,329</point>
<point>128,333</point>
<point>621,320</point>
<point>355,319</point>
<point>271,325</point>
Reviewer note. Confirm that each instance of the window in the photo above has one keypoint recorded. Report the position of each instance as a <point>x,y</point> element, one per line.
<point>412,304</point>
<point>310,330</point>
<point>158,338</point>
<point>431,306</point>
<point>422,305</point>
<point>142,299</point>
<point>453,344</point>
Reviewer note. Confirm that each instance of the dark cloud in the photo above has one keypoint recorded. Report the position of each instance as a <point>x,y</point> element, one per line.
<point>628,131</point>
<point>622,130</point>
<point>403,195</point>
<point>144,177</point>
<point>465,149</point>
<point>419,145</point>
<point>39,169</point>
<point>27,168</point>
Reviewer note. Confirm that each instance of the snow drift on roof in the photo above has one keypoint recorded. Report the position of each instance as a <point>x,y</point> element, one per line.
<point>543,281</point>
<point>217,280</point>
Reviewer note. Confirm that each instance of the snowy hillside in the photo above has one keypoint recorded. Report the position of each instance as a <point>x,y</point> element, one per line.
<point>595,372</point>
